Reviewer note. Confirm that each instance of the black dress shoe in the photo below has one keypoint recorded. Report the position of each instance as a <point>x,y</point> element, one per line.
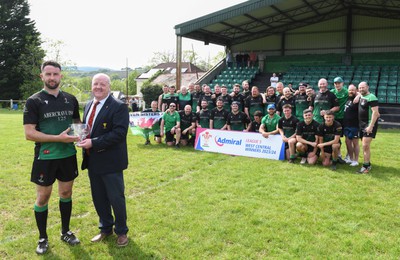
<point>100,237</point>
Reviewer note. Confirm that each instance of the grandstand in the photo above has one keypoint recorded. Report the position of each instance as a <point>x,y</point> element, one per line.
<point>231,76</point>
<point>304,40</point>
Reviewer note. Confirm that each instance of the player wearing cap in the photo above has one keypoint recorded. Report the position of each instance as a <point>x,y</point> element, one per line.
<point>324,101</point>
<point>237,120</point>
<point>307,138</point>
<point>368,114</point>
<point>300,101</point>
<point>287,128</point>
<point>269,122</point>
<point>341,94</point>
<point>329,139</point>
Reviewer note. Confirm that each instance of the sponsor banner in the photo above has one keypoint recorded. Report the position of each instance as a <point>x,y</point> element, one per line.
<point>145,123</point>
<point>240,143</point>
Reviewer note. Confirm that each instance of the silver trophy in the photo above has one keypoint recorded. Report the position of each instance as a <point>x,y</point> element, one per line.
<point>80,130</point>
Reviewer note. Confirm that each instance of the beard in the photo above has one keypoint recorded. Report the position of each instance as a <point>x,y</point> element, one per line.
<point>55,86</point>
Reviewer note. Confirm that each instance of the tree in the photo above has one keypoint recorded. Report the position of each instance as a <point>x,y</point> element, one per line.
<point>151,93</point>
<point>162,57</point>
<point>20,51</point>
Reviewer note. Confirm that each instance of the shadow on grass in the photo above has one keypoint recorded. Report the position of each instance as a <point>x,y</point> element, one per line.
<point>378,171</point>
<point>131,251</point>
<point>79,252</point>
<point>156,147</point>
<point>384,172</point>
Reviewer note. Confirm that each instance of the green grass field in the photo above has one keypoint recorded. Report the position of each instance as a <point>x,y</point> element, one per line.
<point>186,204</point>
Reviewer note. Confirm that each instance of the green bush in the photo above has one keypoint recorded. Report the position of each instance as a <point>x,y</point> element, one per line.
<point>150,93</point>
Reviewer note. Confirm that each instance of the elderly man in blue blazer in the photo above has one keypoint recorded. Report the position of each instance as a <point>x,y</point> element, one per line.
<point>105,156</point>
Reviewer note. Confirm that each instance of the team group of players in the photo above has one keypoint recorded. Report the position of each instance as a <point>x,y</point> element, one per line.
<point>311,124</point>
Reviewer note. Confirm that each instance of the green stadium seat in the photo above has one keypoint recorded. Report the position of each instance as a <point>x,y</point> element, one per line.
<point>355,82</point>
<point>382,92</point>
<point>382,99</point>
<point>392,82</point>
<point>383,81</point>
<point>373,81</point>
<point>382,86</point>
<point>391,99</point>
<point>391,92</point>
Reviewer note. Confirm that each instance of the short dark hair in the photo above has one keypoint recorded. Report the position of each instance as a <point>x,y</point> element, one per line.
<point>258,113</point>
<point>50,63</point>
<point>306,111</point>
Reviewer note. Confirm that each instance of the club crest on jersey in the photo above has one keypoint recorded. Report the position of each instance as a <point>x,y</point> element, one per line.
<point>66,101</point>
<point>46,101</point>
<point>104,125</point>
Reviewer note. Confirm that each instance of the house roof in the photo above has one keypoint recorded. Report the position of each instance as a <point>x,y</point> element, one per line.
<point>170,68</point>
<point>256,19</point>
<point>187,67</point>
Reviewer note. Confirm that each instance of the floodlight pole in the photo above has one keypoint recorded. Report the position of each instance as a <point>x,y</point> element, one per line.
<point>178,61</point>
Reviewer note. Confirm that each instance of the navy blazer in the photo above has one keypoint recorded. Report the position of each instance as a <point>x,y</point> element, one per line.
<point>109,149</point>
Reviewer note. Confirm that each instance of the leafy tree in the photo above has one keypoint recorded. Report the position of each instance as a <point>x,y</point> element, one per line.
<point>20,51</point>
<point>150,93</point>
<point>85,83</point>
<point>118,85</point>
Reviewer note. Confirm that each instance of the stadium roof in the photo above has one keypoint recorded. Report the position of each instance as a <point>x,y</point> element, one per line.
<point>256,19</point>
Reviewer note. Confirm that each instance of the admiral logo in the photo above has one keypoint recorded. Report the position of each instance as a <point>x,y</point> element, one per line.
<point>222,141</point>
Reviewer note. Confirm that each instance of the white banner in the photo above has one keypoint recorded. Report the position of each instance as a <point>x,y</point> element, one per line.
<point>240,143</point>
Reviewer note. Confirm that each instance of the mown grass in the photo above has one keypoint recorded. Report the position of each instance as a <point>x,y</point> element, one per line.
<point>186,204</point>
